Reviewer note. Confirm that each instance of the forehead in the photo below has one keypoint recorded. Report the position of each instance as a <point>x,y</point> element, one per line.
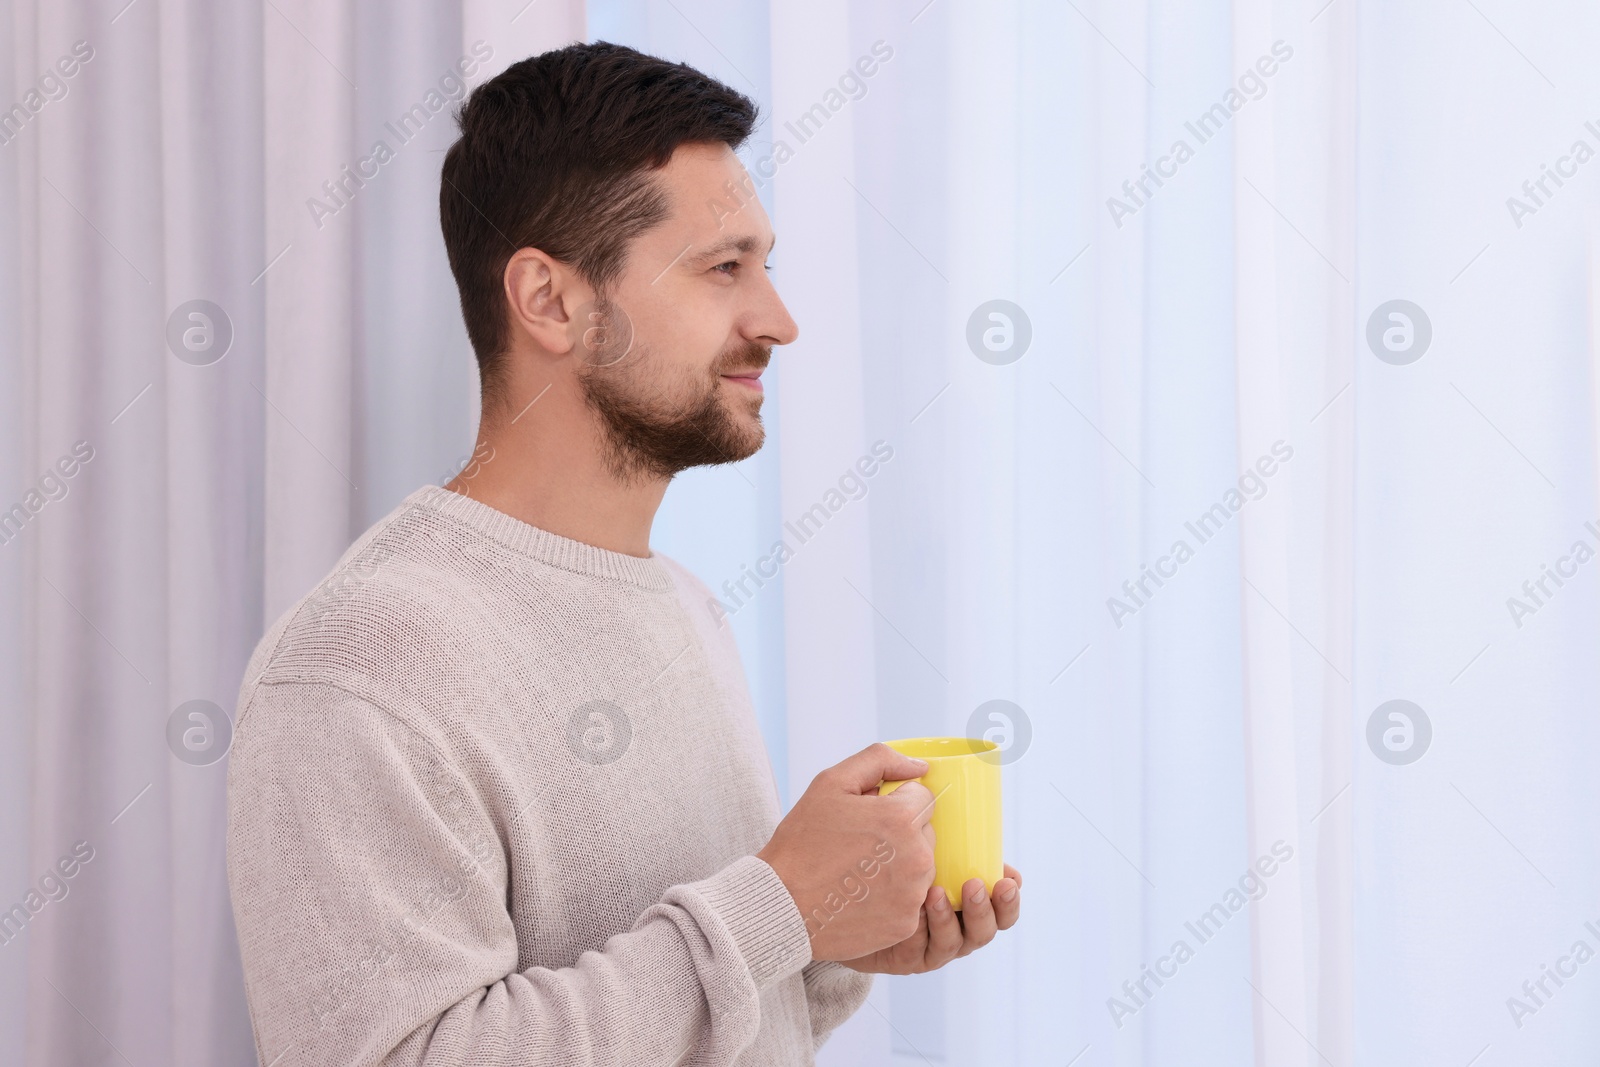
<point>713,198</point>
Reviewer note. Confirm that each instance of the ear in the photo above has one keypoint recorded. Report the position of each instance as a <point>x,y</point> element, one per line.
<point>543,295</point>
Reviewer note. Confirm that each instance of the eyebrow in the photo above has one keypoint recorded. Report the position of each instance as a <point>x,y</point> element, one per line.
<point>742,245</point>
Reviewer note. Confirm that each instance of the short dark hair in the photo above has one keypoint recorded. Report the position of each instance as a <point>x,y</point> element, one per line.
<point>555,154</point>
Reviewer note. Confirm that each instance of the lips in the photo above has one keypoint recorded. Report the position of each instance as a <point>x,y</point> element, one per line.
<point>750,379</point>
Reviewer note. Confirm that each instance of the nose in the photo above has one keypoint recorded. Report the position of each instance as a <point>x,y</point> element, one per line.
<point>772,324</point>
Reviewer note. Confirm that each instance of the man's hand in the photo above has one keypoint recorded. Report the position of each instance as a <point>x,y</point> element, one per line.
<point>857,864</point>
<point>944,934</point>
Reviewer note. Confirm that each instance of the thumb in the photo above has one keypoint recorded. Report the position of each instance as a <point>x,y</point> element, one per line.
<point>876,763</point>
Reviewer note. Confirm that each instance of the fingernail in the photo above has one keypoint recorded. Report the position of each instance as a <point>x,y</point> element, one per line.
<point>979,893</point>
<point>1008,894</point>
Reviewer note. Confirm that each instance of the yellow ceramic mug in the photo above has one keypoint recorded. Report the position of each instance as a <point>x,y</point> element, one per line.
<point>964,778</point>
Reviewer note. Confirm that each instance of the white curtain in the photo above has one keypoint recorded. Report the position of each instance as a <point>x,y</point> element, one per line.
<point>1270,431</point>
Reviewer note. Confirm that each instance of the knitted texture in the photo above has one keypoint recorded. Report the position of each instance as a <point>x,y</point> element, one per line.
<point>494,798</point>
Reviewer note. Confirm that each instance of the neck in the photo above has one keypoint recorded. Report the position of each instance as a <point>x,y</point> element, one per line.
<point>540,457</point>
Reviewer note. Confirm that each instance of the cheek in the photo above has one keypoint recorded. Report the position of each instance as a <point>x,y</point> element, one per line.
<point>681,361</point>
<point>684,329</point>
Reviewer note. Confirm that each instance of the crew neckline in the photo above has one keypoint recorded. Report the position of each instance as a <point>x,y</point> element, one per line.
<point>545,546</point>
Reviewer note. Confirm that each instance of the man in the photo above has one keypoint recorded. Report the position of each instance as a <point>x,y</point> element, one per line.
<point>497,795</point>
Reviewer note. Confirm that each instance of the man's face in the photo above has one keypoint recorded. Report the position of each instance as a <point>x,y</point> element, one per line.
<point>673,354</point>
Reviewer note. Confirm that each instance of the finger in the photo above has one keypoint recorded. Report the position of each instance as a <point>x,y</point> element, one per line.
<point>915,800</point>
<point>1007,900</point>
<point>977,915</point>
<point>906,956</point>
<point>1013,874</point>
<point>919,940</point>
<point>944,930</point>
<point>876,763</point>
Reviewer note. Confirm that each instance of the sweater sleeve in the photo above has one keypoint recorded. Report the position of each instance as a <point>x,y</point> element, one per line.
<point>370,895</point>
<point>834,992</point>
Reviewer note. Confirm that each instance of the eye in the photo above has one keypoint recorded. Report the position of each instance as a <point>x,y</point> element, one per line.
<point>732,266</point>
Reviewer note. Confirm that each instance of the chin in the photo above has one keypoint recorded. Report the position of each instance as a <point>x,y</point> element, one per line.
<point>754,437</point>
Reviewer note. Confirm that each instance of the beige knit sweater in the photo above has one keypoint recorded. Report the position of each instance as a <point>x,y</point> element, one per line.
<point>494,798</point>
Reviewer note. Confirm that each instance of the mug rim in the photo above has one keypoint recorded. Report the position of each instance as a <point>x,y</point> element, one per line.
<point>971,746</point>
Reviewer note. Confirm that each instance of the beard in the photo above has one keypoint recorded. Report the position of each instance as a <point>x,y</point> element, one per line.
<point>656,422</point>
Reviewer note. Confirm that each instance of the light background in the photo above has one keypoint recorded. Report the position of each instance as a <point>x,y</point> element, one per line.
<point>1168,353</point>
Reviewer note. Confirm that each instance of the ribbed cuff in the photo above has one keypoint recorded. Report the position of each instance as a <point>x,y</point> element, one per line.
<point>758,911</point>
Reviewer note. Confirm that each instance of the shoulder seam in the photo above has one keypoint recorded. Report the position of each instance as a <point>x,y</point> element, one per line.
<point>368,698</point>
